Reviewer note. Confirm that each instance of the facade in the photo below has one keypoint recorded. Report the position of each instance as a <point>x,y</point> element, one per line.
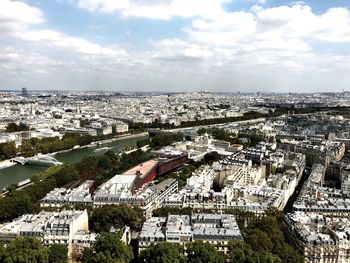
<point>170,163</point>
<point>216,229</point>
<point>322,200</point>
<point>345,181</point>
<point>119,190</point>
<point>242,172</point>
<point>49,227</point>
<point>326,151</point>
<point>62,196</point>
<point>320,238</point>
<point>243,185</point>
<point>120,127</point>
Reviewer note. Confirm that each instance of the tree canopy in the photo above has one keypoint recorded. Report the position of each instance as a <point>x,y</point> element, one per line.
<point>24,250</point>
<point>202,252</point>
<point>58,253</point>
<point>109,248</point>
<point>118,216</point>
<point>163,253</point>
<point>13,127</point>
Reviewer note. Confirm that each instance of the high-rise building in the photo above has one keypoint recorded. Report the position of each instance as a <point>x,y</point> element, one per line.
<point>25,92</point>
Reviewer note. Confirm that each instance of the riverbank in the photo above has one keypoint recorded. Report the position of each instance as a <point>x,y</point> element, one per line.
<point>6,164</point>
<point>119,138</point>
<point>17,173</point>
<point>97,143</point>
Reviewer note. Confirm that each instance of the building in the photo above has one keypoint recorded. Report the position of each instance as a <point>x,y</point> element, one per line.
<point>83,240</point>
<point>49,227</point>
<point>120,127</point>
<point>168,163</point>
<point>315,198</point>
<point>319,238</point>
<point>243,185</point>
<point>120,190</point>
<point>144,173</point>
<point>319,225</point>
<point>345,180</point>
<point>25,92</point>
<point>254,154</point>
<point>217,229</point>
<point>242,172</point>
<point>62,196</point>
<point>325,151</point>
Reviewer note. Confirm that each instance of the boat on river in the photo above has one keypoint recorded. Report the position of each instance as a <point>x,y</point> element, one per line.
<point>103,149</point>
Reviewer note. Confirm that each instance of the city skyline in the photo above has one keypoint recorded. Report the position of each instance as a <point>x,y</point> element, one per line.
<point>175,45</point>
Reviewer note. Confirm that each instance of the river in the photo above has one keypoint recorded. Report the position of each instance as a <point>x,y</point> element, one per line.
<point>18,173</point>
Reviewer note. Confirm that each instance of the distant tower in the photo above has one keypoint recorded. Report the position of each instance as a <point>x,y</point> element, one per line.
<point>25,92</point>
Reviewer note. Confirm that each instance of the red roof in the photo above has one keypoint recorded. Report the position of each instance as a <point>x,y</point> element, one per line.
<point>143,168</point>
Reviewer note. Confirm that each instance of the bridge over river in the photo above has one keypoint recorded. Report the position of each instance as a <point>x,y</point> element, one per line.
<point>40,160</point>
<point>17,172</point>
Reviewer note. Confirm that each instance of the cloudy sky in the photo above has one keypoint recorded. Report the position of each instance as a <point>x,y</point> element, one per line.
<point>175,45</point>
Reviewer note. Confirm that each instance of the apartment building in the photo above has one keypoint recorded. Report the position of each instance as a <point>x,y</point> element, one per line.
<point>216,229</point>
<point>49,227</point>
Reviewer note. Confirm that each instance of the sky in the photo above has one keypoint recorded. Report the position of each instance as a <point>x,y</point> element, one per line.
<point>175,45</point>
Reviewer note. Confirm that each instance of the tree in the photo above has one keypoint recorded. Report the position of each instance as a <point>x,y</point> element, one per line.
<point>104,162</point>
<point>259,241</point>
<point>85,140</point>
<point>7,150</point>
<point>87,166</point>
<point>266,257</point>
<point>2,253</point>
<point>66,174</point>
<point>287,254</point>
<point>15,204</point>
<point>165,211</point>
<point>111,155</point>
<point>163,253</point>
<point>211,157</point>
<point>23,250</point>
<point>109,248</point>
<point>27,148</point>
<point>11,188</point>
<point>58,253</point>
<point>101,257</point>
<point>143,142</point>
<point>201,252</point>
<point>240,252</point>
<point>103,218</point>
<point>87,255</point>
<point>201,131</point>
<point>264,237</point>
<point>13,127</point>
<point>164,139</point>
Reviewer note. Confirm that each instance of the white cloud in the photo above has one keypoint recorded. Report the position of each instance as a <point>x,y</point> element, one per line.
<point>226,31</point>
<point>295,23</point>
<point>157,9</point>
<point>15,15</point>
<point>58,39</point>
<point>16,19</point>
<point>300,22</point>
<point>173,49</point>
<point>261,49</point>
